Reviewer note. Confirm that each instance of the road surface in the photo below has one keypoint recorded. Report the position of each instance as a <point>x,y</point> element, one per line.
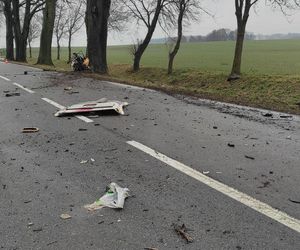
<point>229,173</point>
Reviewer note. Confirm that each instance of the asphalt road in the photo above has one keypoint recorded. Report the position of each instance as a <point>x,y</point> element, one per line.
<point>233,197</point>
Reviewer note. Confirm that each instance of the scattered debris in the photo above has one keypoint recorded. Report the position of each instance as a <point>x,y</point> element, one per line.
<point>38,229</point>
<point>182,231</point>
<point>268,115</point>
<point>53,242</point>
<point>286,116</point>
<point>12,94</point>
<point>230,145</point>
<point>65,216</point>
<point>249,157</point>
<point>294,201</point>
<point>82,129</point>
<point>265,184</point>
<point>30,130</point>
<point>94,106</point>
<point>114,198</point>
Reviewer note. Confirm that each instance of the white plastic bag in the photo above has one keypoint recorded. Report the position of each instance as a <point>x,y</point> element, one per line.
<point>113,198</point>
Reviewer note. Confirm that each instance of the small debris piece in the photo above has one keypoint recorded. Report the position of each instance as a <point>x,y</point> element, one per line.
<point>230,145</point>
<point>68,88</point>
<point>150,248</point>
<point>12,94</point>
<point>215,127</point>
<point>38,229</point>
<point>53,242</point>
<point>83,162</point>
<point>294,201</point>
<point>182,231</point>
<point>82,129</point>
<point>65,216</point>
<point>206,172</point>
<point>25,73</point>
<point>30,224</point>
<point>92,160</point>
<point>249,157</point>
<point>30,130</point>
<point>28,201</point>
<point>286,116</point>
<point>113,198</point>
<point>268,115</point>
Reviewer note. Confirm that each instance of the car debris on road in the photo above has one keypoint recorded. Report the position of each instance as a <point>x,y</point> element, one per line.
<point>182,231</point>
<point>30,130</point>
<point>65,216</point>
<point>94,106</point>
<point>114,198</point>
<point>12,94</point>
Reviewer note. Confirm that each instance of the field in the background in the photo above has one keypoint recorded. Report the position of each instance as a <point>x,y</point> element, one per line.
<point>260,57</point>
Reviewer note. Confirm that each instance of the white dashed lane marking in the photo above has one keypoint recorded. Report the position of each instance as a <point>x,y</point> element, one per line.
<point>22,87</point>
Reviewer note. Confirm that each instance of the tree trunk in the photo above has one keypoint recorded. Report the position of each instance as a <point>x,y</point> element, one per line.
<point>21,46</point>
<point>173,53</point>
<point>30,50</point>
<point>237,62</point>
<point>58,50</point>
<point>9,30</point>
<point>70,48</point>
<point>21,31</point>
<point>97,15</point>
<point>242,10</point>
<point>45,56</point>
<point>143,46</point>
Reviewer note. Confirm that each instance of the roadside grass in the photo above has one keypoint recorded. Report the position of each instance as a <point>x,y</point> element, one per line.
<point>271,77</point>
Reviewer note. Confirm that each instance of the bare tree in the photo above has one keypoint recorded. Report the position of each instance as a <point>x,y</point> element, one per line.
<point>7,9</point>
<point>74,23</point>
<point>118,16</point>
<point>242,8</point>
<point>23,13</point>
<point>60,26</point>
<point>97,15</point>
<point>34,33</point>
<point>45,56</point>
<point>146,12</point>
<point>184,11</point>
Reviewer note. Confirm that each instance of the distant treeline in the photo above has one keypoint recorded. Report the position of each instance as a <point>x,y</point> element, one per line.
<point>227,35</point>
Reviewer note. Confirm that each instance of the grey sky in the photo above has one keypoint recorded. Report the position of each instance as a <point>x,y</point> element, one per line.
<point>264,20</point>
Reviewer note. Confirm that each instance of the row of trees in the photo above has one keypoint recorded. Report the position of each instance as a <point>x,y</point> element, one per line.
<point>64,17</point>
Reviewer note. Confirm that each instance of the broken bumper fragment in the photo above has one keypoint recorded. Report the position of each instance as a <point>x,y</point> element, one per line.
<point>94,106</point>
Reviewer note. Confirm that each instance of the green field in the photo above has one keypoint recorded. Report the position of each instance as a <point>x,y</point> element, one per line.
<point>271,72</point>
<point>260,57</point>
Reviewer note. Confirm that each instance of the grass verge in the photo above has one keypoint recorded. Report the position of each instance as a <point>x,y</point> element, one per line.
<point>274,92</point>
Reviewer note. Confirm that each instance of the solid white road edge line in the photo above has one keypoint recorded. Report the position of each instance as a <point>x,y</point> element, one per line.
<point>55,104</point>
<point>22,87</point>
<point>4,78</point>
<point>245,199</point>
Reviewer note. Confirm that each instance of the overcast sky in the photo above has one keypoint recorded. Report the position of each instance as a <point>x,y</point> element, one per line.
<point>263,20</point>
